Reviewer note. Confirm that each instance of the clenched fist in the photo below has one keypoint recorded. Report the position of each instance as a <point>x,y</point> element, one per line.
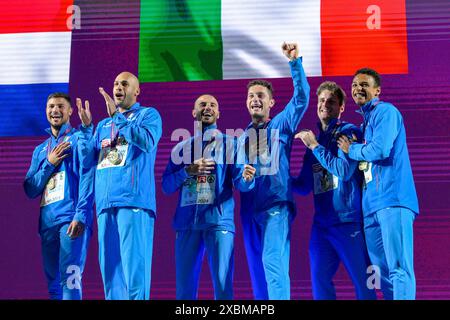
<point>249,173</point>
<point>290,50</point>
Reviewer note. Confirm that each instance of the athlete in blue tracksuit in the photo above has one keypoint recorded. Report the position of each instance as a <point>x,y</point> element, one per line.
<point>337,232</point>
<point>267,210</point>
<point>204,218</point>
<point>389,196</point>
<point>123,149</point>
<point>66,190</point>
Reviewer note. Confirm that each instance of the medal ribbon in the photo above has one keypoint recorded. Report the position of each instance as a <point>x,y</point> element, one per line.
<point>113,135</point>
<point>247,142</point>
<point>49,143</point>
<point>333,133</point>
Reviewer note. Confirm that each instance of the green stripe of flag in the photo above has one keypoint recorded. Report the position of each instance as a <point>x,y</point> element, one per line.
<point>180,40</point>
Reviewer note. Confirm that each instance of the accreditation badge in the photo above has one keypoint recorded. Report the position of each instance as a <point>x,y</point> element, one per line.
<point>323,180</point>
<point>198,190</point>
<point>54,190</point>
<point>366,168</point>
<point>112,156</point>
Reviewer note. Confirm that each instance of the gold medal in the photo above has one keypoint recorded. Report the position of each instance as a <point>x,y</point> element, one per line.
<point>325,182</point>
<point>51,183</point>
<point>114,157</point>
<point>363,165</point>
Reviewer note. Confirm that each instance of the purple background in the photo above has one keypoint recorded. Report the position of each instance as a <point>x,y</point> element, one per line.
<point>108,43</point>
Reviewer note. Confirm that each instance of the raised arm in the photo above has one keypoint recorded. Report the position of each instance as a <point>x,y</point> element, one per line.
<point>297,106</point>
<point>144,135</point>
<point>87,142</point>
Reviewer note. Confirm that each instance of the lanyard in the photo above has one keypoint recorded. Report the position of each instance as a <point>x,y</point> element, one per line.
<point>333,134</point>
<point>207,146</point>
<point>247,142</point>
<point>113,135</point>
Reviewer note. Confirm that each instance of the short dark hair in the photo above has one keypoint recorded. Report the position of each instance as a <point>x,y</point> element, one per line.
<point>370,72</point>
<point>263,83</point>
<point>334,88</point>
<point>59,95</point>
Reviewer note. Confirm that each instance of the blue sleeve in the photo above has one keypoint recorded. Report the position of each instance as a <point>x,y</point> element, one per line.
<point>293,112</point>
<point>386,125</point>
<point>85,195</point>
<point>87,146</point>
<point>239,181</point>
<point>173,177</point>
<point>237,167</point>
<point>84,209</point>
<point>175,174</point>
<point>303,184</point>
<point>341,165</point>
<point>144,135</point>
<point>37,176</point>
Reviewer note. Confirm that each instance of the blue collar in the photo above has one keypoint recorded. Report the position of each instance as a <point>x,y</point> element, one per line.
<point>366,108</point>
<point>262,125</point>
<point>65,129</point>
<point>333,122</point>
<point>134,107</point>
<point>204,129</point>
<point>210,127</point>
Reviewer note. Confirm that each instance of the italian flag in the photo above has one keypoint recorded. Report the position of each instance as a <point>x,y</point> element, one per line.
<point>184,40</point>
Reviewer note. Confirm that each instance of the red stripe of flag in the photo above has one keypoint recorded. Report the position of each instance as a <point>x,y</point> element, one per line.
<point>34,15</point>
<point>351,39</point>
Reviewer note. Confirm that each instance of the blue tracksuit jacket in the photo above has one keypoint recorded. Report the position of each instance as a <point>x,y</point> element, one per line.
<point>340,202</point>
<point>77,202</point>
<point>389,178</point>
<point>220,214</point>
<point>275,185</point>
<point>131,184</point>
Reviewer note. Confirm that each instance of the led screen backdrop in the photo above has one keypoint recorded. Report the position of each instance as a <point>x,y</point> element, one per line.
<point>181,49</point>
<point>232,39</point>
<point>196,40</point>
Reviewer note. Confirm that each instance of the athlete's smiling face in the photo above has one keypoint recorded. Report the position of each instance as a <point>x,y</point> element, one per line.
<point>364,89</point>
<point>206,109</point>
<point>58,112</point>
<point>328,106</point>
<point>259,102</point>
<point>126,89</point>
